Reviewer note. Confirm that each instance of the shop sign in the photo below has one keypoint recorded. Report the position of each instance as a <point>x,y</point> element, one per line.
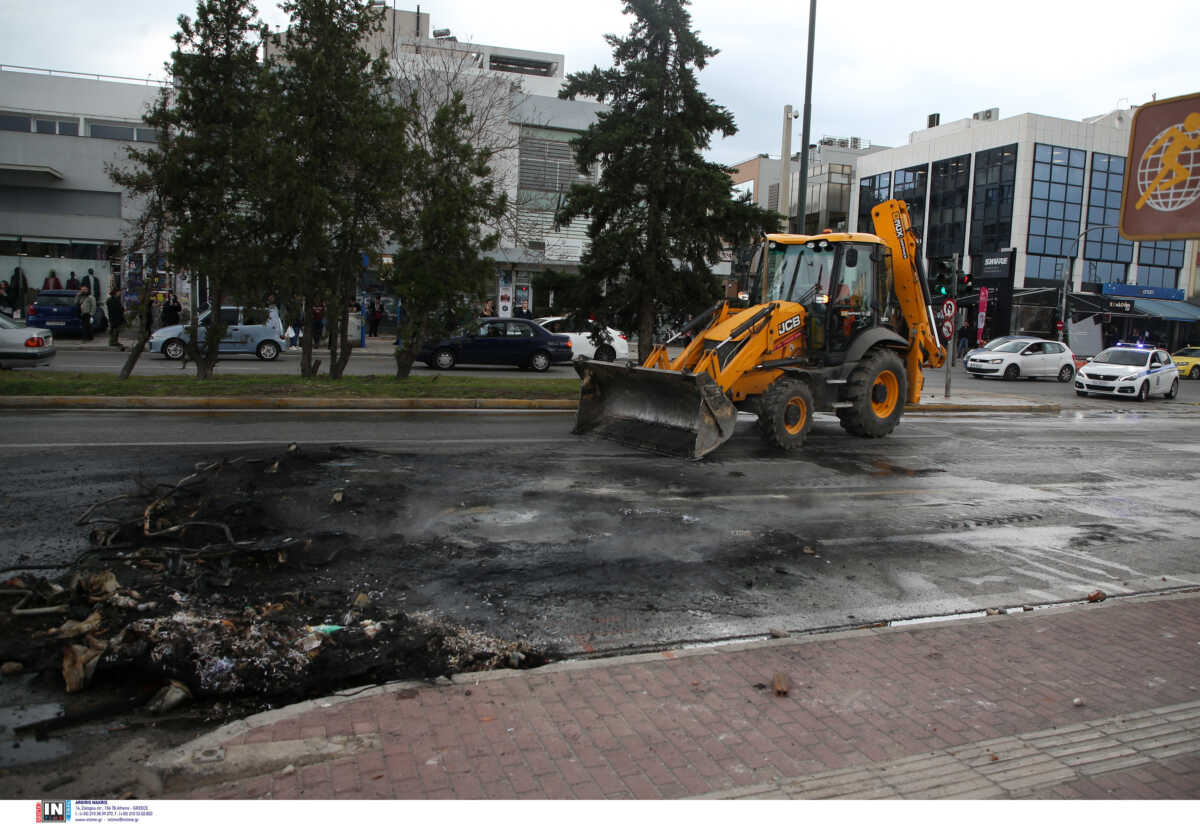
<point>1132,291</point>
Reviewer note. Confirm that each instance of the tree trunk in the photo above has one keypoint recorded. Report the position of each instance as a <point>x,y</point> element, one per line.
<point>411,336</point>
<point>147,321</point>
<point>645,328</point>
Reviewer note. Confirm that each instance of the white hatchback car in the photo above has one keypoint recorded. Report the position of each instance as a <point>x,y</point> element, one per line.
<point>1023,358</point>
<point>613,346</point>
<point>1129,371</point>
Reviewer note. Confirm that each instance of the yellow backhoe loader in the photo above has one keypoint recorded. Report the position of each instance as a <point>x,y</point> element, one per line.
<point>843,323</point>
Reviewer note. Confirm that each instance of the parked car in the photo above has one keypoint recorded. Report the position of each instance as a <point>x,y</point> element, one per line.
<point>24,346</point>
<point>1187,361</point>
<point>511,341</point>
<point>1023,358</point>
<point>614,345</point>
<point>1129,371</point>
<point>241,337</point>
<point>57,310</point>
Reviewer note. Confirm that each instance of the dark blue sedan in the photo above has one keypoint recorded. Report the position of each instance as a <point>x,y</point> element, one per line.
<point>58,311</point>
<point>510,341</point>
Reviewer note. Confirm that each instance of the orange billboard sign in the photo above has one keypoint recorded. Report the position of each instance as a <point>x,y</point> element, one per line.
<point>1161,198</point>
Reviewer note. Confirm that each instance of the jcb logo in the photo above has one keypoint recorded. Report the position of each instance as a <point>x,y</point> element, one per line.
<point>789,324</point>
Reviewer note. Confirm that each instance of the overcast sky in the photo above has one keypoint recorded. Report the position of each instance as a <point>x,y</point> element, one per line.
<point>881,66</point>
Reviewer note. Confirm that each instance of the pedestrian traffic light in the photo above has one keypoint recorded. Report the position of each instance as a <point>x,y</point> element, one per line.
<point>965,282</point>
<point>941,284</point>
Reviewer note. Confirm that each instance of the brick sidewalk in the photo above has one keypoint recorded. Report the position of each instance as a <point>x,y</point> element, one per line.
<point>980,707</point>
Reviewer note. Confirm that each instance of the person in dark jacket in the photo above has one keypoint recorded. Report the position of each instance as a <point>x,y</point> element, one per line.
<point>172,311</point>
<point>116,317</point>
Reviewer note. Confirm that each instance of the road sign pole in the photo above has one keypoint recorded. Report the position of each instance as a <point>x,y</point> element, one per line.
<point>951,342</point>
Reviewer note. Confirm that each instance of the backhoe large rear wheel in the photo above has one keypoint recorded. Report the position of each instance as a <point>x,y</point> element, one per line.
<point>786,411</point>
<point>876,391</point>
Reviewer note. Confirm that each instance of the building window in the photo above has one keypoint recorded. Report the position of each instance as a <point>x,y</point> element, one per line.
<point>1043,268</point>
<point>909,186</point>
<point>15,123</point>
<point>992,206</point>
<point>110,131</point>
<point>1100,245</point>
<point>871,192</point>
<point>1056,204</point>
<point>948,189</point>
<point>1159,263</point>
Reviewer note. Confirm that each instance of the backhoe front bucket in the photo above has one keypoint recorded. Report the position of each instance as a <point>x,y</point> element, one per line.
<point>675,413</point>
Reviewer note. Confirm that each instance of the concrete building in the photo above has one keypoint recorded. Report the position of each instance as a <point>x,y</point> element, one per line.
<point>1029,203</point>
<point>58,209</point>
<point>831,170</point>
<point>58,131</point>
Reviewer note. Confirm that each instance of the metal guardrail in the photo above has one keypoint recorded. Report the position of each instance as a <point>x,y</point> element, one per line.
<point>8,67</point>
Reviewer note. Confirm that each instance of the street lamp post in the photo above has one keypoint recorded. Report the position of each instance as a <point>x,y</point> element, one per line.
<point>785,167</point>
<point>802,201</point>
<point>1067,267</point>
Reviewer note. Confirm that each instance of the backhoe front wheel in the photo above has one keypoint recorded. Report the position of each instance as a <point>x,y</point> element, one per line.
<point>785,415</point>
<point>876,391</point>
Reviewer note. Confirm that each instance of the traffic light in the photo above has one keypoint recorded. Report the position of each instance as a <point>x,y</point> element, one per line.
<point>965,282</point>
<point>941,284</point>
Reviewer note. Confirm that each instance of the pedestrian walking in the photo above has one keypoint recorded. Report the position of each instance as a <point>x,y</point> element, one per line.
<point>318,315</point>
<point>172,311</point>
<point>374,315</point>
<point>274,318</point>
<point>116,317</point>
<point>87,308</point>
<point>964,339</point>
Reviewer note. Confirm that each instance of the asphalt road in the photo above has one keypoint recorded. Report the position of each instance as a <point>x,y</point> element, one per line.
<point>511,525</point>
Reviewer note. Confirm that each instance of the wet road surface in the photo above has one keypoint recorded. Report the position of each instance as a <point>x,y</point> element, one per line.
<point>511,525</point>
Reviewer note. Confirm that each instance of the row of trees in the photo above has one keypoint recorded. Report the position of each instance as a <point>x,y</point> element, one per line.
<point>275,175</point>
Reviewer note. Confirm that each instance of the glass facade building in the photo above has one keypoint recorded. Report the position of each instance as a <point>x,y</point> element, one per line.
<point>871,192</point>
<point>910,186</point>
<point>1055,210</point>
<point>949,187</point>
<point>1106,254</point>
<point>992,203</point>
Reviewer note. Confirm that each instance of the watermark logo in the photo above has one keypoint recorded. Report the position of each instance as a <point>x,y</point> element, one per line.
<point>53,811</point>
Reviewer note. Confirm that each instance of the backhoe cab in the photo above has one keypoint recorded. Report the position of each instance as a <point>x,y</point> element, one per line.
<point>843,323</point>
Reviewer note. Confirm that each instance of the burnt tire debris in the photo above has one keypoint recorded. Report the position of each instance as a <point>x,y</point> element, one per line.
<point>213,587</point>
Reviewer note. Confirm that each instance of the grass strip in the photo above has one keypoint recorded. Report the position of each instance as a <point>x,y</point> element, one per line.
<point>101,384</point>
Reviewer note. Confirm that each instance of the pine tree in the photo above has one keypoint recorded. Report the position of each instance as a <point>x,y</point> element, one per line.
<point>660,212</point>
<point>200,173</point>
<point>337,157</point>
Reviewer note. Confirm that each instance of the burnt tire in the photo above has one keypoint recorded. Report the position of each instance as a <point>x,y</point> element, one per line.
<point>876,391</point>
<point>786,413</point>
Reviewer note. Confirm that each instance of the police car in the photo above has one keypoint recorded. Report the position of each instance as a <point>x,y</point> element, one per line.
<point>1129,371</point>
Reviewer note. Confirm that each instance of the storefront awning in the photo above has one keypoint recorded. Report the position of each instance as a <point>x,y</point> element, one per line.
<point>1168,309</point>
